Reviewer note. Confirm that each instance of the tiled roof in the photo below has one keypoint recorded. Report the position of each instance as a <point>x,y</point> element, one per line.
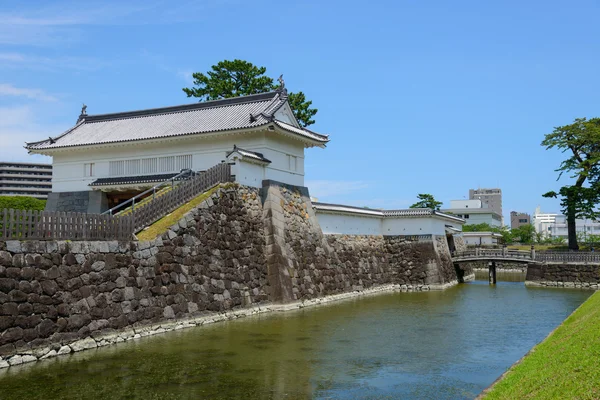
<point>197,118</point>
<point>250,154</point>
<point>125,180</point>
<point>409,212</point>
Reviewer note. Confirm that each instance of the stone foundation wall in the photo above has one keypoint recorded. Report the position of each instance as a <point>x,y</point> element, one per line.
<point>240,249</point>
<point>319,265</point>
<point>55,294</point>
<point>562,275</point>
<point>91,201</point>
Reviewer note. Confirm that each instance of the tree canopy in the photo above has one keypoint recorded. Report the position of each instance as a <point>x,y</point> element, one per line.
<point>427,201</point>
<point>485,227</point>
<point>234,78</point>
<point>581,141</point>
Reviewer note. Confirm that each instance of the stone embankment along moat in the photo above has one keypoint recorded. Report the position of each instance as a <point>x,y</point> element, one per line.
<point>242,251</point>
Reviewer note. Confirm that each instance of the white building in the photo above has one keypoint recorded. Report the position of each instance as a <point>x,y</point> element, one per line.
<point>481,238</point>
<point>474,212</point>
<point>25,179</point>
<point>552,225</point>
<point>108,158</point>
<point>347,220</point>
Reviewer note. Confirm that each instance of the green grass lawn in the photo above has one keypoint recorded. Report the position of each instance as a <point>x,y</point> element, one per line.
<point>564,366</point>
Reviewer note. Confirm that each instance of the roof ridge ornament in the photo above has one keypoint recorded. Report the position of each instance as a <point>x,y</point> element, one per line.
<point>83,113</point>
<point>281,89</point>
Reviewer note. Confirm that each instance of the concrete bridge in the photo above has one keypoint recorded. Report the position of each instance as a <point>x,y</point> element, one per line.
<point>493,256</point>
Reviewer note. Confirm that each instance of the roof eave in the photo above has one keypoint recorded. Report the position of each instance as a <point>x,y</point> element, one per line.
<point>307,140</point>
<point>235,131</point>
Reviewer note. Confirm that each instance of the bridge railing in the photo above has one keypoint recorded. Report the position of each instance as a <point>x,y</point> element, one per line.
<point>542,256</point>
<point>568,256</point>
<point>493,253</point>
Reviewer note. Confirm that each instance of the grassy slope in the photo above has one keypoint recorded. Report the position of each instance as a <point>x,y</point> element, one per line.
<point>163,224</point>
<point>564,366</point>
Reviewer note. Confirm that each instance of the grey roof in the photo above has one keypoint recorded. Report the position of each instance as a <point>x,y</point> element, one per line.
<point>409,212</point>
<point>133,179</point>
<point>250,154</point>
<point>197,118</point>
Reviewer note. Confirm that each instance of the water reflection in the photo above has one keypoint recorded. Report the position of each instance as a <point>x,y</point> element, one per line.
<point>443,345</point>
<point>508,275</point>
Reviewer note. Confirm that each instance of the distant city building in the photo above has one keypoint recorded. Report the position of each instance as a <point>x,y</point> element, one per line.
<point>518,219</point>
<point>490,198</point>
<point>552,225</point>
<point>481,238</point>
<point>25,179</point>
<point>474,212</point>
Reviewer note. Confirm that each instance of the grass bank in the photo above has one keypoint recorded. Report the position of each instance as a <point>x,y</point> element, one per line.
<point>163,224</point>
<point>564,366</point>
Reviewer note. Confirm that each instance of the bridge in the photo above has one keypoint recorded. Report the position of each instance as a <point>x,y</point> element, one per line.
<point>492,256</point>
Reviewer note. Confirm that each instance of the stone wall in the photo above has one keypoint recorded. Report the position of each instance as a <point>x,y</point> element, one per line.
<point>313,264</point>
<point>459,243</point>
<point>57,297</point>
<point>240,249</point>
<point>577,275</point>
<point>92,201</point>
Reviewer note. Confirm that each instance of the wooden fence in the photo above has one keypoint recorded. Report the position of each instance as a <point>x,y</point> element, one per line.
<point>148,213</point>
<point>44,225</point>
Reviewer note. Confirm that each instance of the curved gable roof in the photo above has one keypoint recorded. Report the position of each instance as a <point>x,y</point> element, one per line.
<point>207,117</point>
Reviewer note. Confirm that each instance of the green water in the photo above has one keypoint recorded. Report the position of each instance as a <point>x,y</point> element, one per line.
<point>432,345</point>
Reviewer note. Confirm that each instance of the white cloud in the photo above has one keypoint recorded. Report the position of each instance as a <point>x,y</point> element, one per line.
<point>7,89</point>
<point>17,126</point>
<point>38,63</point>
<point>63,21</point>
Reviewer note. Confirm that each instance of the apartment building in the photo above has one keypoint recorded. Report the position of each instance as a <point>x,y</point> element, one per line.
<point>25,179</point>
<point>490,198</point>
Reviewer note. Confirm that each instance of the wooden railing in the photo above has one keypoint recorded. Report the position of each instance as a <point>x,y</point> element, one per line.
<point>152,211</point>
<point>44,225</point>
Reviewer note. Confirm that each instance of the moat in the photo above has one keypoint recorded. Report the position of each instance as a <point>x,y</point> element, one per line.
<point>445,345</point>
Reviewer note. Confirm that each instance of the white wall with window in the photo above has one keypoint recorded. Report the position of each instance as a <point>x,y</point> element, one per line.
<point>75,169</point>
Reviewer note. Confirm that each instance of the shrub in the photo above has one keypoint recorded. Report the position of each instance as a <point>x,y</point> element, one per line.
<point>22,203</point>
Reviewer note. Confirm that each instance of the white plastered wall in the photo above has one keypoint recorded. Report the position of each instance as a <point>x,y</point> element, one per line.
<point>68,165</point>
<point>359,224</point>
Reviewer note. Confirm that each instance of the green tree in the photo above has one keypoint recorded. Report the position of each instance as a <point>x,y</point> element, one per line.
<point>523,234</point>
<point>427,201</point>
<point>581,140</point>
<point>485,227</point>
<point>241,78</point>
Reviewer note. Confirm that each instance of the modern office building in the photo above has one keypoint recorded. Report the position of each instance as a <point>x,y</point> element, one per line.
<point>518,219</point>
<point>25,179</point>
<point>490,198</point>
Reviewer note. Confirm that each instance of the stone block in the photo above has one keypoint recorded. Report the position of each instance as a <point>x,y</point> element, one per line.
<point>5,259</point>
<point>83,344</point>
<point>13,246</point>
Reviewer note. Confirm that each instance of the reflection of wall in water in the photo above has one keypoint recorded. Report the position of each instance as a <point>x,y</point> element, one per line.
<point>505,275</point>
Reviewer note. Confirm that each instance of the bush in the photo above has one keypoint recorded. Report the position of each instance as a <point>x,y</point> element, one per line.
<point>22,203</point>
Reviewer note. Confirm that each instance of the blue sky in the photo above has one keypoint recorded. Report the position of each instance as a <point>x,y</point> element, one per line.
<point>418,97</point>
